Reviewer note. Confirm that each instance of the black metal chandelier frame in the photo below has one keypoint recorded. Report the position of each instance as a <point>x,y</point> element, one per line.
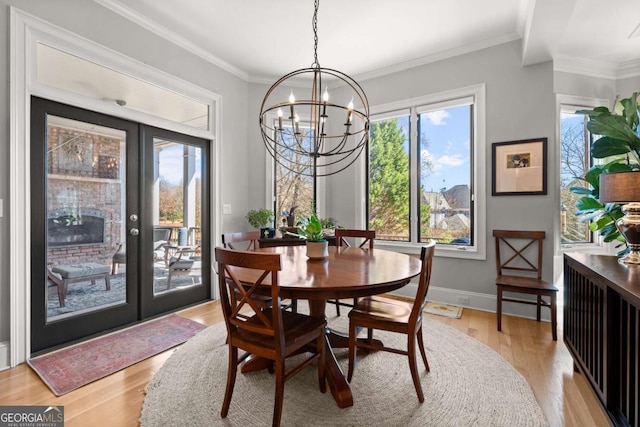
<point>338,142</point>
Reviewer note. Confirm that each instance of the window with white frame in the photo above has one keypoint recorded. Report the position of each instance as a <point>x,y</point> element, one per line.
<point>424,161</point>
<point>294,187</point>
<point>575,161</point>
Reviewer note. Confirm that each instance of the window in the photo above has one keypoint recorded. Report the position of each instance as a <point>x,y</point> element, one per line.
<point>574,154</point>
<point>575,160</point>
<point>422,168</point>
<point>291,187</point>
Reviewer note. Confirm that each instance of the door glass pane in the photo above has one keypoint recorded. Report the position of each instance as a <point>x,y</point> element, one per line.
<point>177,216</point>
<point>85,210</point>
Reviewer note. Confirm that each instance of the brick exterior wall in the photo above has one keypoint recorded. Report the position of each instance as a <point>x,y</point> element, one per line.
<point>85,173</point>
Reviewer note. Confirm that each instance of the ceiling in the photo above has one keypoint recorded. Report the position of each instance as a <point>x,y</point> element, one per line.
<point>260,40</point>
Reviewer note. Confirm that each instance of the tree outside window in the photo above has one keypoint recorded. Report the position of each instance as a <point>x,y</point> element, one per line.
<point>438,194</point>
<point>575,160</point>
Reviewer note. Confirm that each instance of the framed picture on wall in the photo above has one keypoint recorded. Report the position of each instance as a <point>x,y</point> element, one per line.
<point>519,167</point>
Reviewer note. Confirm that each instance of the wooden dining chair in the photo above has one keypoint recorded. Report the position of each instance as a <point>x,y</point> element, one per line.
<point>521,252</point>
<point>249,241</point>
<point>243,240</point>
<point>264,332</point>
<point>394,316</point>
<point>341,234</point>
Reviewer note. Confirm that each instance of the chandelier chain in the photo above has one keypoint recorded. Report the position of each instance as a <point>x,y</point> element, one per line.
<point>316,4</point>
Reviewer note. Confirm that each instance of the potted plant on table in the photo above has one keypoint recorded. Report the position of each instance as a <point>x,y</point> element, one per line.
<point>262,218</point>
<point>620,145</point>
<point>310,229</point>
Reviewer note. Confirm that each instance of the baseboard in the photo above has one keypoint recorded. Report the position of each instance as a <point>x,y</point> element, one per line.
<point>5,363</point>
<point>474,300</point>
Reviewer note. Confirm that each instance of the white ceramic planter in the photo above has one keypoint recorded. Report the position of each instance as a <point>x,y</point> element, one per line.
<point>317,250</point>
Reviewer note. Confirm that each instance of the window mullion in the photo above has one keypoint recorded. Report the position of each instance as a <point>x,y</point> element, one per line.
<point>414,167</point>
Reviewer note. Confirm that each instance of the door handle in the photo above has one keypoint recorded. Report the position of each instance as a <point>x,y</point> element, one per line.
<point>134,231</point>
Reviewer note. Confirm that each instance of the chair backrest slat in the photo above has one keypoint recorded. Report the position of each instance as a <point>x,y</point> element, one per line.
<point>514,251</point>
<point>426,257</point>
<point>241,312</point>
<point>250,238</point>
<point>368,236</point>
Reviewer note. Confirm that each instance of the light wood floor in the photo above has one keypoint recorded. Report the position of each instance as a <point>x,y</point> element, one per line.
<point>117,400</point>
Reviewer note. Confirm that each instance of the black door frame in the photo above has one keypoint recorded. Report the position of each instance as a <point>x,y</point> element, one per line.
<point>150,304</point>
<point>140,302</point>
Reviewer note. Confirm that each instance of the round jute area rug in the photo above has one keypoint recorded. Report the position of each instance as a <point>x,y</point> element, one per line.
<point>469,385</point>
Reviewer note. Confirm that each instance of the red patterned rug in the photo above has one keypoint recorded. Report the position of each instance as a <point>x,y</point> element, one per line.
<point>69,368</point>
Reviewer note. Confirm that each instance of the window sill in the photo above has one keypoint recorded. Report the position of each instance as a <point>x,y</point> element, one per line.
<point>469,252</point>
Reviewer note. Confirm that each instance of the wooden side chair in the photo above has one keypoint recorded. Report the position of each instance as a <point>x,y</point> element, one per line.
<point>249,241</point>
<point>264,332</point>
<point>341,234</point>
<point>521,251</point>
<point>243,240</point>
<point>394,316</point>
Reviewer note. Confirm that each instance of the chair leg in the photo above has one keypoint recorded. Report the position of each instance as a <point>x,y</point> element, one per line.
<point>321,363</point>
<point>61,295</point>
<point>538,307</point>
<point>499,308</point>
<point>353,341</point>
<point>413,365</point>
<point>422,351</point>
<point>554,317</point>
<point>277,405</point>
<point>231,380</point>
<point>294,305</point>
<point>337,307</point>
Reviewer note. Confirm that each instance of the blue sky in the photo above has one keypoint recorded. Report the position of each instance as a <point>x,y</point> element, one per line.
<point>171,163</point>
<point>446,147</point>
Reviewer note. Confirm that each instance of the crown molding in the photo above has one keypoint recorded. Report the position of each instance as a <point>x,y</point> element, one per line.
<point>438,56</point>
<point>599,69</point>
<point>171,36</point>
<point>585,67</point>
<point>629,69</point>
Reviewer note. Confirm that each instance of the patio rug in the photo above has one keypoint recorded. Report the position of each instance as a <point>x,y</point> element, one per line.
<point>445,310</point>
<point>72,367</point>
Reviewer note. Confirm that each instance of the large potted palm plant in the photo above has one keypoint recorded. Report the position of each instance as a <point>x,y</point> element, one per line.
<point>619,147</point>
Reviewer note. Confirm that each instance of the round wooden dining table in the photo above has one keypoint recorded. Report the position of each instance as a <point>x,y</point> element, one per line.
<point>348,272</point>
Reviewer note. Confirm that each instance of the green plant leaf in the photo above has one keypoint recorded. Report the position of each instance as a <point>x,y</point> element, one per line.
<point>581,190</point>
<point>586,203</point>
<point>618,167</point>
<point>607,146</point>
<point>613,126</point>
<point>593,176</point>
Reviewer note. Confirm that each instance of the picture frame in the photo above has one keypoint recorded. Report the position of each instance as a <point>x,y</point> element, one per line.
<point>519,168</point>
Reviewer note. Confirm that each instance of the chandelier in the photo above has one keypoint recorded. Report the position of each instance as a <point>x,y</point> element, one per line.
<point>308,133</point>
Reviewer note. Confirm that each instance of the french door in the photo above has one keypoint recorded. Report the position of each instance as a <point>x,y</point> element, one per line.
<point>119,222</point>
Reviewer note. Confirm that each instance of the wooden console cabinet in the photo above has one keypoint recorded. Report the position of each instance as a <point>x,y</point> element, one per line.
<point>602,330</point>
